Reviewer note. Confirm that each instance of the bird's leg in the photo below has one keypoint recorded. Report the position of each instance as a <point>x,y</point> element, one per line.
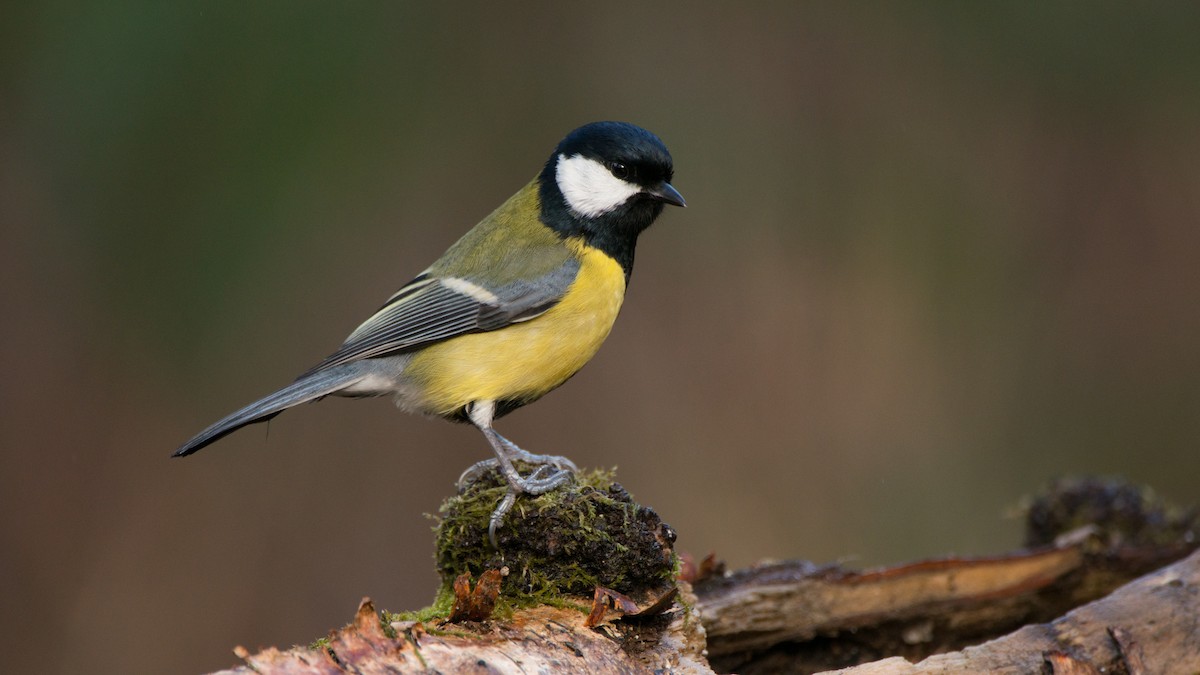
<point>547,476</point>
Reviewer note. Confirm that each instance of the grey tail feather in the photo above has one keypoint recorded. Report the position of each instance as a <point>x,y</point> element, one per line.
<point>308,388</point>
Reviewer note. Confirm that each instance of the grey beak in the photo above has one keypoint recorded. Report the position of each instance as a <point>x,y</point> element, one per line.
<point>663,192</point>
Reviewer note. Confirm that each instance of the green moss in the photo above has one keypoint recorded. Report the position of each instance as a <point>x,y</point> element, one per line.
<point>563,543</point>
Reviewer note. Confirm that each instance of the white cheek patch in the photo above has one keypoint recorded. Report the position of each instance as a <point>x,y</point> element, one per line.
<point>589,187</point>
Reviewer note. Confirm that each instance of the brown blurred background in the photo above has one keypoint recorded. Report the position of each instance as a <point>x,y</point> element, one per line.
<point>934,255</point>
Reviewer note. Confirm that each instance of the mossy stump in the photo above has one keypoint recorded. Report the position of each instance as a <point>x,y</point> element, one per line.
<point>560,544</point>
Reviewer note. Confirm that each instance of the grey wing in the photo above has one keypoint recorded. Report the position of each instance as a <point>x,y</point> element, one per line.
<point>431,309</point>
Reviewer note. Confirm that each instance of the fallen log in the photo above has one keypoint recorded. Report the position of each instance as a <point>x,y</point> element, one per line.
<point>1060,605</point>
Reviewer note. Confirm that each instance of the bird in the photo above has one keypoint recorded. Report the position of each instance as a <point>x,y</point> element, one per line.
<point>509,312</point>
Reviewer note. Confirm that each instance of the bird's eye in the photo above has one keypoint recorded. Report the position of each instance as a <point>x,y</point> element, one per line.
<point>619,170</point>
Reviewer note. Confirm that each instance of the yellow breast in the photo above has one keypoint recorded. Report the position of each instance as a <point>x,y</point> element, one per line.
<point>524,361</point>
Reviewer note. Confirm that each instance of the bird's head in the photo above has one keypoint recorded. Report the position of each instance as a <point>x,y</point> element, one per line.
<point>607,181</point>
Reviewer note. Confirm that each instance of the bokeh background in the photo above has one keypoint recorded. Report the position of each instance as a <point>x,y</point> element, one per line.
<point>935,254</point>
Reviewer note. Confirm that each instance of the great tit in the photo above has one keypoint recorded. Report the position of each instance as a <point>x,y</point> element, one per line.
<point>510,312</point>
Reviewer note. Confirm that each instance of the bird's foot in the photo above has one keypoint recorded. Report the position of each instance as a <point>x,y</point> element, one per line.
<point>551,472</point>
<point>478,469</point>
<point>557,461</point>
<point>546,478</point>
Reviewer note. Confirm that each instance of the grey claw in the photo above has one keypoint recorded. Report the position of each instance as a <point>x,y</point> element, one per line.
<point>497,517</point>
<point>476,471</point>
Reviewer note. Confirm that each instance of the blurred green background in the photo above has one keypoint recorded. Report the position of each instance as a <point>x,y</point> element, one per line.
<point>935,254</point>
